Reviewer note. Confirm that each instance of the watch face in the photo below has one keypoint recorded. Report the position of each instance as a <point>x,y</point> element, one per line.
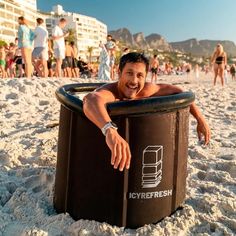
<point>113,124</point>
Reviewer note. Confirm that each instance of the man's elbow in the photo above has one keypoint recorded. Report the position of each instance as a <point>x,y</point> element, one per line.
<point>87,102</point>
<point>90,101</point>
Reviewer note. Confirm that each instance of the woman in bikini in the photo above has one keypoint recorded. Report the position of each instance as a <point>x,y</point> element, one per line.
<point>219,60</point>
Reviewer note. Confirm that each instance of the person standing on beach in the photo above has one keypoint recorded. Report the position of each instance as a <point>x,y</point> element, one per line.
<point>219,60</point>
<point>59,44</point>
<point>25,42</point>
<point>196,70</point>
<point>18,61</point>
<point>233,71</point>
<point>68,61</point>
<point>133,69</point>
<point>154,66</point>
<point>40,52</point>
<point>2,61</point>
<point>75,69</point>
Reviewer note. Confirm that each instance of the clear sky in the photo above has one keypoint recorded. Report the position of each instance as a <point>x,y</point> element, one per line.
<point>176,20</point>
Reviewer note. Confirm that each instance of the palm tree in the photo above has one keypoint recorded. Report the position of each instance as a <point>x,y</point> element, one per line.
<point>90,51</point>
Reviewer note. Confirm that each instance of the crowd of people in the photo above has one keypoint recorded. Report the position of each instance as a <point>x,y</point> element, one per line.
<point>34,53</point>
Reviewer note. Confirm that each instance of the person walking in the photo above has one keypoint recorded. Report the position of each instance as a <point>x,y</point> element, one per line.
<point>40,52</point>
<point>25,41</point>
<point>219,60</point>
<point>59,44</point>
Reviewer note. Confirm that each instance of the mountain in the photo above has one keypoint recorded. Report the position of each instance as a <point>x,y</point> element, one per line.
<point>123,35</point>
<point>140,41</point>
<point>203,47</point>
<point>156,41</point>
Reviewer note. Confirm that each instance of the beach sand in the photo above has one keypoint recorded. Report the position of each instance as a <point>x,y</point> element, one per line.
<point>29,120</point>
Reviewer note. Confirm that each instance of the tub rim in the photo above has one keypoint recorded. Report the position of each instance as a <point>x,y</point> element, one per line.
<point>64,95</point>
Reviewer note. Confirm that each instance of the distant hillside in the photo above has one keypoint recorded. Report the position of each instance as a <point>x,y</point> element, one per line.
<point>203,47</point>
<point>156,41</point>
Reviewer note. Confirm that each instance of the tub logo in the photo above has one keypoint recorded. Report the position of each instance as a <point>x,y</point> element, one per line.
<point>152,166</point>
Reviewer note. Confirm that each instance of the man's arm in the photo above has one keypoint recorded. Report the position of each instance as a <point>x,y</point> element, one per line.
<point>95,110</point>
<point>202,126</point>
<point>58,37</point>
<point>55,35</point>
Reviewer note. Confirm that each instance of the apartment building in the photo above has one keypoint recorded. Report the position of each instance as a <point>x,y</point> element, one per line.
<point>10,10</point>
<point>88,30</point>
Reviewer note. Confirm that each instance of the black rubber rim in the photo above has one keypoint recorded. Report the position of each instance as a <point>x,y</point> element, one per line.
<point>66,97</point>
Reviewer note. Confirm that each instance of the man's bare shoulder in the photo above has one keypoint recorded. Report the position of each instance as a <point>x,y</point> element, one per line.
<point>149,90</point>
<point>109,87</point>
<point>108,90</point>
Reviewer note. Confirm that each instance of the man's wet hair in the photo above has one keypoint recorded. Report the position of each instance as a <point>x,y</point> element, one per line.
<point>133,57</point>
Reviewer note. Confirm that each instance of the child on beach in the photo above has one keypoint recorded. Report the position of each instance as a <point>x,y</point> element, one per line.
<point>2,61</point>
<point>10,64</point>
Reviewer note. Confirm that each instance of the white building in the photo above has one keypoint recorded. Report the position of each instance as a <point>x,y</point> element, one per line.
<point>88,30</point>
<point>10,10</point>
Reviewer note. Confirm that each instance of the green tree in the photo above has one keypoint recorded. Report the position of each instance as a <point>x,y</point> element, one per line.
<point>2,43</point>
<point>72,35</point>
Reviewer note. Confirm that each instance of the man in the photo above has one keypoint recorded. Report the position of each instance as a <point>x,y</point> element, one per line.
<point>133,69</point>
<point>40,52</point>
<point>111,48</point>
<point>59,44</point>
<point>68,59</point>
<point>154,64</point>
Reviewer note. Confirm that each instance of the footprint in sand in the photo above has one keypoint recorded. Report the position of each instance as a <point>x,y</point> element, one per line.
<point>232,135</point>
<point>228,157</point>
<point>43,103</point>
<point>201,175</point>
<point>39,182</point>
<point>12,96</point>
<point>201,166</point>
<point>229,167</point>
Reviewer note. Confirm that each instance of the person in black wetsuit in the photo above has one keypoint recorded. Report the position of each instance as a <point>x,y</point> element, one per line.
<point>219,60</point>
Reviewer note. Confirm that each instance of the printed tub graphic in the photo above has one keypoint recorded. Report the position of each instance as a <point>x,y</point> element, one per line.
<point>152,166</point>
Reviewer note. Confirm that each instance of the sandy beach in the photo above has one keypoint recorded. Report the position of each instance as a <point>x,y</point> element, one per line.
<point>29,117</point>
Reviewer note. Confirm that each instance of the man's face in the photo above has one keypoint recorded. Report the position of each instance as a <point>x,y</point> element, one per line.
<point>62,24</point>
<point>132,80</point>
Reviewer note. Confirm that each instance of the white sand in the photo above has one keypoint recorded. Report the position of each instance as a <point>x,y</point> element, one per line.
<point>29,112</point>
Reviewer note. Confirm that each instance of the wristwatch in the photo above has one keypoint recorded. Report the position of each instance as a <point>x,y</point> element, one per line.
<point>108,125</point>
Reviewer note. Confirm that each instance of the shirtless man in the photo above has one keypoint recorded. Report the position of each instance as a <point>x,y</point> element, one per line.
<point>154,64</point>
<point>69,54</point>
<point>132,84</point>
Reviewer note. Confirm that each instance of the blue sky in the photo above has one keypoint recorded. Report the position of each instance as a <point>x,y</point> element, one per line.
<point>176,20</point>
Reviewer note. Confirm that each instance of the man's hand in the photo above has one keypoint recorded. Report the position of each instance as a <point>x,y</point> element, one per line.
<point>120,151</point>
<point>203,130</point>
